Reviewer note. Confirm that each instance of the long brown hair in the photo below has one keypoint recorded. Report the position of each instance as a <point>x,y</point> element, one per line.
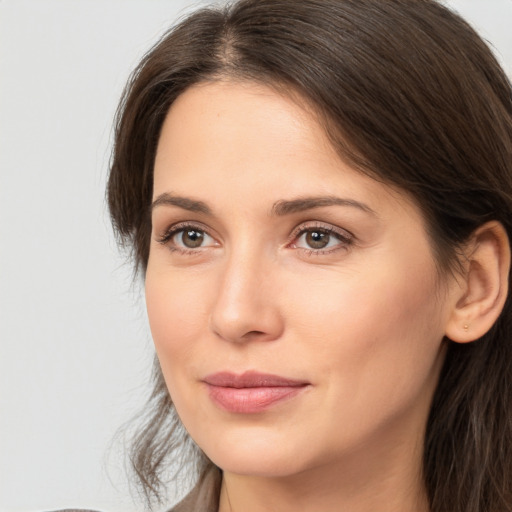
<point>410,95</point>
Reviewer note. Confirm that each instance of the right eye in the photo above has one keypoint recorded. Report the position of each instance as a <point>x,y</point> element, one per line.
<point>187,237</point>
<point>192,238</point>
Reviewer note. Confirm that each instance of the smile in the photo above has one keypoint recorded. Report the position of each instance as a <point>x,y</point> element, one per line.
<point>251,392</point>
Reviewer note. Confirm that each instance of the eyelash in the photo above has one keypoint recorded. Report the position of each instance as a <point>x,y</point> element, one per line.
<point>345,238</point>
<point>167,236</point>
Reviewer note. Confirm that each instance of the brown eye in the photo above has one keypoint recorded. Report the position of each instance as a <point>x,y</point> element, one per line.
<point>191,238</point>
<point>317,239</point>
<point>187,238</point>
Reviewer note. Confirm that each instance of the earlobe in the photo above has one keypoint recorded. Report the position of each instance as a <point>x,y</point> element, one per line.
<point>481,291</point>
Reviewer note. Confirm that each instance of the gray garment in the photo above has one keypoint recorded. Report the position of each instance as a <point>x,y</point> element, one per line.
<point>204,497</point>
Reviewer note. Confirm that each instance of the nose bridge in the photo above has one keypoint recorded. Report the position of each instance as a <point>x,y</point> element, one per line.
<point>246,306</point>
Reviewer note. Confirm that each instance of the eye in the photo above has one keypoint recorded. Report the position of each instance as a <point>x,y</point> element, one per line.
<point>191,238</point>
<point>316,239</point>
<point>185,237</point>
<point>320,240</point>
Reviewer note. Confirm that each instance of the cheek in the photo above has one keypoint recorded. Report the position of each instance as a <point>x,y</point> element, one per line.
<point>177,306</point>
<point>374,337</point>
<point>360,308</point>
<point>177,312</point>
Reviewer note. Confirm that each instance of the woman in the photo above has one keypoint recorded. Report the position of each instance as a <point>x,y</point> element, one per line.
<point>318,196</point>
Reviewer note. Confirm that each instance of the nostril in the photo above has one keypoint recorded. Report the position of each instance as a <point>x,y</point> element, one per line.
<point>253,334</point>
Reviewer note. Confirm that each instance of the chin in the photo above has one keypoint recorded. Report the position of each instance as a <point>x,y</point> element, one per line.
<point>258,466</point>
<point>256,455</point>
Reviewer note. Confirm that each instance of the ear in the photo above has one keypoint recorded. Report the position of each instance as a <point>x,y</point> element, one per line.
<point>479,294</point>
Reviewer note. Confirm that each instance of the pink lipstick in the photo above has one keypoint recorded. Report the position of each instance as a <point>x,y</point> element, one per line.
<point>251,392</point>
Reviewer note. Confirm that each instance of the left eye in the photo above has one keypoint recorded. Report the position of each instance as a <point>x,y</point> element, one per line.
<point>318,239</point>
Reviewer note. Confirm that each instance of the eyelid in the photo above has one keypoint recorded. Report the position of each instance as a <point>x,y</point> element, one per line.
<point>325,226</point>
<point>345,237</point>
<point>166,236</point>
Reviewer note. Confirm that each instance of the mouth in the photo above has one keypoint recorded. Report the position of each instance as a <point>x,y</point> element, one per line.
<point>251,392</point>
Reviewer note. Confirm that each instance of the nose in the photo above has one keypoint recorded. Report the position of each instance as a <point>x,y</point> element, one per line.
<point>246,306</point>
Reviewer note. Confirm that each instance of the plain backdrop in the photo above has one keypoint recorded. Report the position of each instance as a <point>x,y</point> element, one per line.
<point>75,349</point>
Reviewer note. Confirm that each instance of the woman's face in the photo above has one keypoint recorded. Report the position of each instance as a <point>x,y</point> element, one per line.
<point>294,302</point>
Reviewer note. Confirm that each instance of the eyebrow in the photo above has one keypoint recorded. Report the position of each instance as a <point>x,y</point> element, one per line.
<point>308,203</point>
<point>280,208</point>
<point>192,205</point>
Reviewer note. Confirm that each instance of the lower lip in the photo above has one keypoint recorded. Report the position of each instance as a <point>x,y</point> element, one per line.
<point>252,400</point>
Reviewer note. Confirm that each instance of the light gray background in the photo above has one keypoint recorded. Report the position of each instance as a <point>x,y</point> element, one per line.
<point>75,350</point>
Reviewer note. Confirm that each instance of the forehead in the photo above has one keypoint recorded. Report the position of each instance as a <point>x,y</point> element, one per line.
<point>250,140</point>
<point>222,117</point>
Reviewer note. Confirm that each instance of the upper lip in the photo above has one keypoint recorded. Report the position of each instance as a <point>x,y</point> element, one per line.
<point>251,379</point>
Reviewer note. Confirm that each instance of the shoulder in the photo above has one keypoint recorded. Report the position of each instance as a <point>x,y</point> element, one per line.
<point>205,495</point>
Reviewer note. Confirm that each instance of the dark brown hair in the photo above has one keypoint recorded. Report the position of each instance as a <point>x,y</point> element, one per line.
<point>408,94</point>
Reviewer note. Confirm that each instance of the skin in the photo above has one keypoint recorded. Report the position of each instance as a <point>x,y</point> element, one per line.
<point>361,321</point>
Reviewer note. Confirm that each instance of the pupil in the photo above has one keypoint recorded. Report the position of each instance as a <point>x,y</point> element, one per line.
<point>192,238</point>
<point>317,239</point>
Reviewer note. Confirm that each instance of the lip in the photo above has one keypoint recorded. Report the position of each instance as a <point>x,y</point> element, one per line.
<point>251,392</point>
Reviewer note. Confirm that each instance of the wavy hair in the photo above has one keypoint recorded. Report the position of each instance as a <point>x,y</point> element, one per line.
<point>409,94</point>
